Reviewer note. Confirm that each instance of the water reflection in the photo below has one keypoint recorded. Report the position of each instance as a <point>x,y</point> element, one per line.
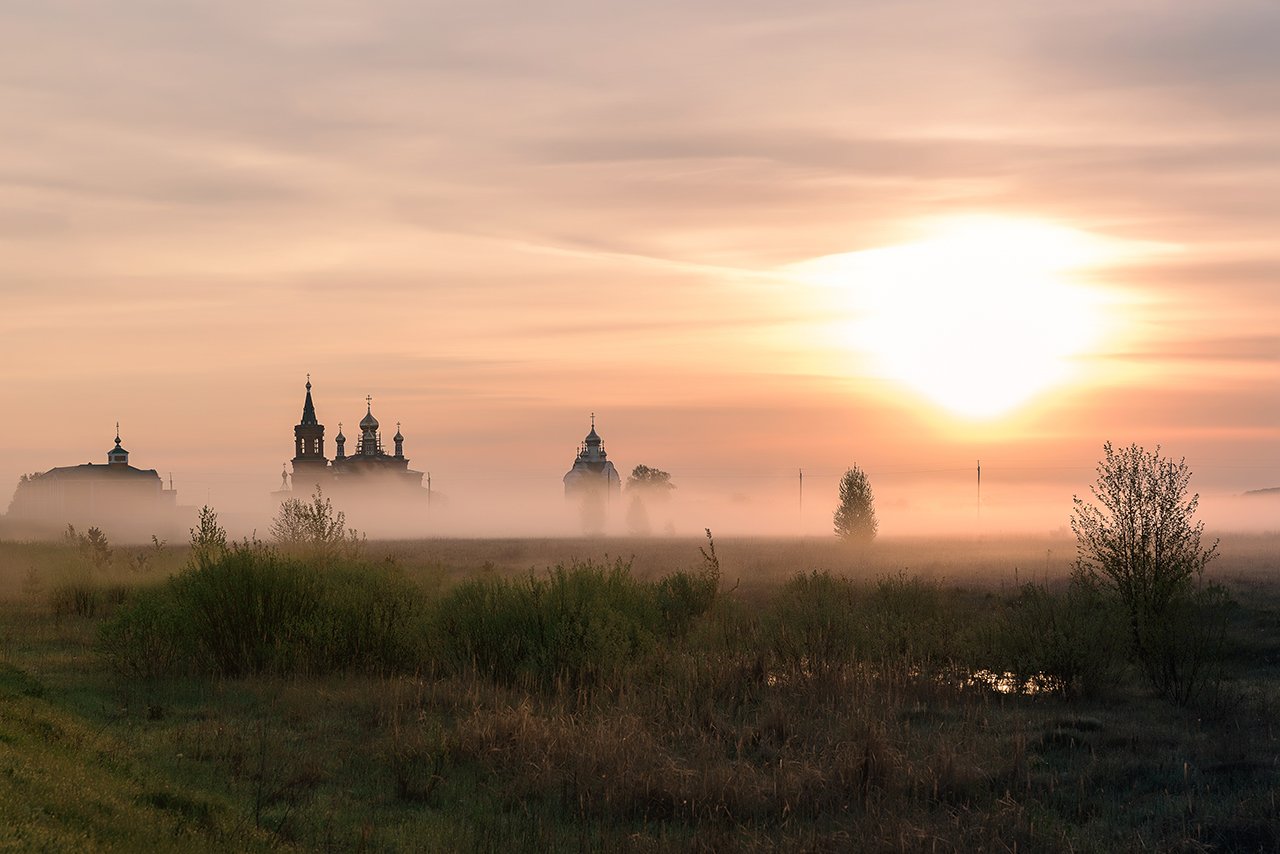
<point>1011,683</point>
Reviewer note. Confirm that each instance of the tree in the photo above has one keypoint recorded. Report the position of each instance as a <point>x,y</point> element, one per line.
<point>638,517</point>
<point>855,517</point>
<point>1138,538</point>
<point>650,481</point>
<point>644,485</point>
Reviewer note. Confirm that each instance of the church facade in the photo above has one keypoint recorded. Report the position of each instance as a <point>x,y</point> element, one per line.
<point>369,467</point>
<point>592,474</point>
<point>125,501</point>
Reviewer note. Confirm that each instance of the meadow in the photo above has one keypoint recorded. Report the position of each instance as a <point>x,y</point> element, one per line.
<point>636,695</point>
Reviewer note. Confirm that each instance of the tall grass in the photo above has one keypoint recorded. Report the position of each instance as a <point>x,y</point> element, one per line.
<point>578,623</point>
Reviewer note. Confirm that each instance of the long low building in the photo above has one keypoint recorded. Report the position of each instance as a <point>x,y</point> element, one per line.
<point>125,501</point>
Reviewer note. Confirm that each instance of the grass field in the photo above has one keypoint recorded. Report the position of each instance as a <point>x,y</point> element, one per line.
<point>440,695</point>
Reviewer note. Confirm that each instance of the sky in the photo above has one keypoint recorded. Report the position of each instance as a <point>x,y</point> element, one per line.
<point>752,237</point>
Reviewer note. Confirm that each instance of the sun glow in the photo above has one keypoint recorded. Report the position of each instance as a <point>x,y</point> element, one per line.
<point>979,317</point>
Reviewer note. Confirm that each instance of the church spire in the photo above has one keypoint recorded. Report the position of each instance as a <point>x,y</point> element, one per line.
<point>308,408</point>
<point>308,436</point>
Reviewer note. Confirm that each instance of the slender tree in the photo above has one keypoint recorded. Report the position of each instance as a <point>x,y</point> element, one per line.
<point>855,516</point>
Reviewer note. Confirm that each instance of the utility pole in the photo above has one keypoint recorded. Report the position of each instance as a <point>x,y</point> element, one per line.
<point>802,497</point>
<point>979,490</point>
<point>428,489</point>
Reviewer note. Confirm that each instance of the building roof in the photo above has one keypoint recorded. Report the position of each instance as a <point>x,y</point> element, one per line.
<point>97,470</point>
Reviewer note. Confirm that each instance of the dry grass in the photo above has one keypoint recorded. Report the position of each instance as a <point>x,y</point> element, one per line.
<point>714,740</point>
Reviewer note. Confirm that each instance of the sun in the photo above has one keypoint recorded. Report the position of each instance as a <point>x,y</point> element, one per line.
<point>979,316</point>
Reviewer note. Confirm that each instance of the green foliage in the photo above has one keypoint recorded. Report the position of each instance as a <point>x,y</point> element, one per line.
<point>1071,639</point>
<point>820,623</point>
<point>254,610</point>
<point>314,529</point>
<point>912,620</point>
<point>816,624</point>
<point>576,623</point>
<point>92,546</point>
<point>1184,645</point>
<point>714,733</point>
<point>149,639</point>
<point>75,597</point>
<point>208,538</point>
<point>855,516</point>
<point>1137,537</point>
<point>248,612</point>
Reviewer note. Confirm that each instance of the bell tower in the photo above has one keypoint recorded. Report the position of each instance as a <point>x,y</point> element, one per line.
<point>309,461</point>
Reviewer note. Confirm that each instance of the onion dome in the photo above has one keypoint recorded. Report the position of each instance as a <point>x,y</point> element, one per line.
<point>117,454</point>
<point>369,422</point>
<point>397,437</point>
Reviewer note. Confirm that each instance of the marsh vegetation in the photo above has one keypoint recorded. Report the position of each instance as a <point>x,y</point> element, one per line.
<point>643,695</point>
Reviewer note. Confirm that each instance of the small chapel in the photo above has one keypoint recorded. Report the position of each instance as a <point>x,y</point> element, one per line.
<point>592,473</point>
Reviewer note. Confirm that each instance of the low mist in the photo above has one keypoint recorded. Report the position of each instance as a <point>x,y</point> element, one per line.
<point>905,507</point>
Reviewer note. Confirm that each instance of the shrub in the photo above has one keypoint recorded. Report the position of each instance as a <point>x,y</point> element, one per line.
<point>92,546</point>
<point>371,618</point>
<point>685,595</point>
<point>208,538</point>
<point>255,611</point>
<point>1073,638</point>
<point>910,620</point>
<point>314,529</point>
<point>78,597</point>
<point>577,623</point>
<point>815,626</point>
<point>149,639</point>
<point>249,611</point>
<point>1185,648</point>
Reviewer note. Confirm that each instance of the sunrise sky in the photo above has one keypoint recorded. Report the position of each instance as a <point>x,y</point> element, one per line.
<point>752,237</point>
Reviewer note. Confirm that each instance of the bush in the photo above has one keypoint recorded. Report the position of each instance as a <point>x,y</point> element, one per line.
<point>74,597</point>
<point>576,623</point>
<point>149,639</point>
<point>256,611</point>
<point>315,530</point>
<point>1185,647</point>
<point>208,538</point>
<point>249,612</point>
<point>815,626</point>
<point>1071,640</point>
